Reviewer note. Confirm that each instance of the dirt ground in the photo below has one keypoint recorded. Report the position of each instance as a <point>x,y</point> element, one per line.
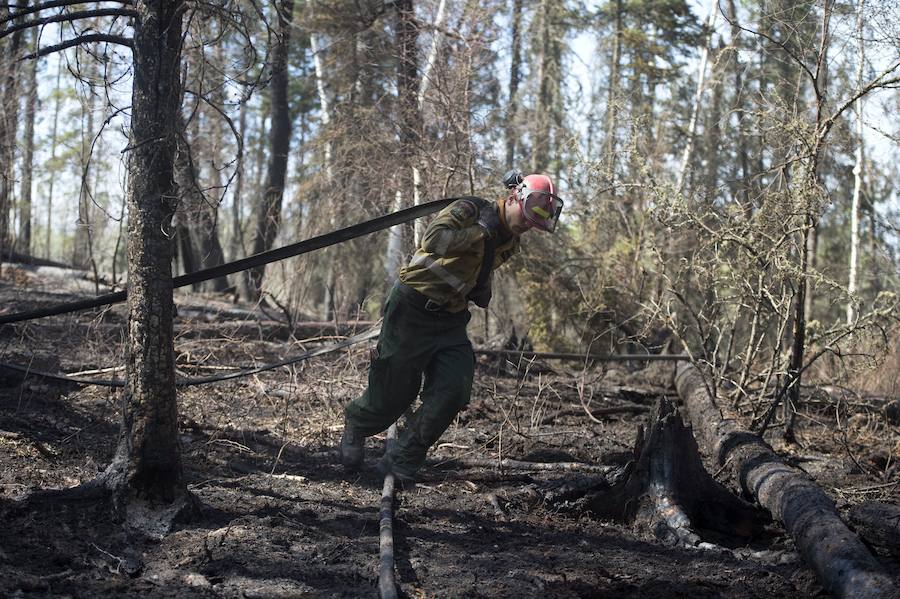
<point>279,517</point>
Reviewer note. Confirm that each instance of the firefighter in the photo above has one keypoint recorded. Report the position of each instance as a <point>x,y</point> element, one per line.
<point>423,335</point>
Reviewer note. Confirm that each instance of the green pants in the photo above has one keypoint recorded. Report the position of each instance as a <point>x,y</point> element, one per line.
<point>415,344</point>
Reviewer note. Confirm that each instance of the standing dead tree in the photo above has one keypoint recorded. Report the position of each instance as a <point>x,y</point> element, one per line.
<point>267,214</point>
<point>146,470</point>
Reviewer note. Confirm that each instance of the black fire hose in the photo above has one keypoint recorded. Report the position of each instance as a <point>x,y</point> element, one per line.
<point>287,251</point>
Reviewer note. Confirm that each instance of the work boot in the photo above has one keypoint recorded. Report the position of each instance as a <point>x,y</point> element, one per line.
<point>352,449</point>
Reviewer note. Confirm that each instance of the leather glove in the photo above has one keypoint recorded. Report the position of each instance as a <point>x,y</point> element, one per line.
<point>489,220</point>
<point>481,297</point>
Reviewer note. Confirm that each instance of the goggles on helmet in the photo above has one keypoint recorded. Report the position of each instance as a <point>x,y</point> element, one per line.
<point>540,208</point>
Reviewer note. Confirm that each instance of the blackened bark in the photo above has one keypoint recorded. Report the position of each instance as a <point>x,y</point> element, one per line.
<point>147,464</point>
<point>843,564</point>
<point>268,213</point>
<point>198,237</point>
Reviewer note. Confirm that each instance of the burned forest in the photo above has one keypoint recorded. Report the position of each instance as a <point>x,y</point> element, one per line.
<point>418,298</point>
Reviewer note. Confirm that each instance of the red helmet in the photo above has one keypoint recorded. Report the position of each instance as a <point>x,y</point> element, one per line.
<point>540,204</point>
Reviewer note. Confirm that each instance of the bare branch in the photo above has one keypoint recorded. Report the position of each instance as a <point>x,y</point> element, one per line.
<point>878,83</point>
<point>780,44</point>
<point>81,39</point>
<point>53,4</point>
<point>68,17</point>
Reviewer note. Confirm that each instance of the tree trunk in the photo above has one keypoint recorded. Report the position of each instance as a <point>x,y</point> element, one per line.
<point>408,118</point>
<point>147,464</point>
<point>31,100</point>
<point>540,149</point>
<point>843,564</point>
<point>418,182</point>
<point>324,102</point>
<point>743,192</point>
<point>206,233</point>
<point>81,251</point>
<point>268,213</point>
<point>198,236</point>
<point>9,71</point>
<point>515,73</point>
<point>236,247</point>
<point>698,98</point>
<point>612,102</point>
<point>52,161</point>
<point>857,169</point>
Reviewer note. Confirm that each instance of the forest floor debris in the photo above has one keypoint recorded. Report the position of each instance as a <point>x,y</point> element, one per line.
<point>280,517</point>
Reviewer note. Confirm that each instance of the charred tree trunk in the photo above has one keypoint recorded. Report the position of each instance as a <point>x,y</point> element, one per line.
<point>198,240</point>
<point>665,490</point>
<point>879,524</point>
<point>843,564</point>
<point>147,466</point>
<point>268,214</point>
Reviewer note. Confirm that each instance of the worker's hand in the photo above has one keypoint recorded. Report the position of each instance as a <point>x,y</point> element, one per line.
<point>482,297</point>
<point>489,220</point>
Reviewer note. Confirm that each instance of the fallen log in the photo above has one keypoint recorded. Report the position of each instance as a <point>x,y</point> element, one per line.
<point>879,524</point>
<point>841,561</point>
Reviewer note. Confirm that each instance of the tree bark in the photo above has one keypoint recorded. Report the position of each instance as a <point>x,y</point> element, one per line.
<point>425,81</point>
<point>879,524</point>
<point>9,71</point>
<point>698,98</point>
<point>147,464</point>
<point>52,161</point>
<point>31,100</point>
<point>843,564</point>
<point>410,125</point>
<point>82,253</point>
<point>612,102</point>
<point>236,247</point>
<point>198,236</point>
<point>268,213</point>
<point>515,73</point>
<point>540,150</point>
<point>857,169</point>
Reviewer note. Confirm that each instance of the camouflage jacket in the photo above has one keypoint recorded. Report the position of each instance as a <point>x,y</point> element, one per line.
<point>446,264</point>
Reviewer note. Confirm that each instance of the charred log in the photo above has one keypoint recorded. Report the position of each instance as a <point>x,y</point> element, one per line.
<point>878,524</point>
<point>843,564</point>
<point>664,490</point>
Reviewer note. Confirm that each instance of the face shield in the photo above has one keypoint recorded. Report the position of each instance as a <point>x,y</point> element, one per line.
<point>540,208</point>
